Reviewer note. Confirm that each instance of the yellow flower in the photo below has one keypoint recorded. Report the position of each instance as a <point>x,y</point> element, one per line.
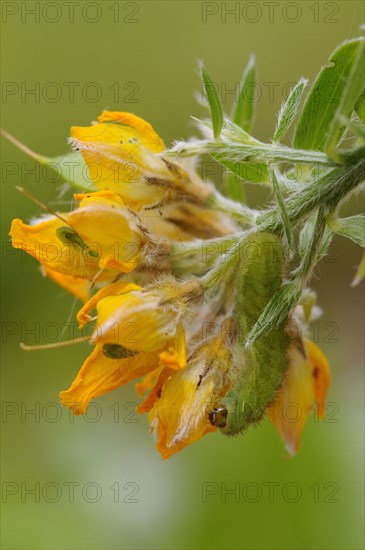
<point>100,234</point>
<point>181,404</point>
<point>138,319</point>
<point>122,152</point>
<point>137,332</point>
<point>305,387</point>
<point>114,289</point>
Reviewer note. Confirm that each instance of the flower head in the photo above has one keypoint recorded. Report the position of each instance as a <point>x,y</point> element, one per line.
<point>176,281</point>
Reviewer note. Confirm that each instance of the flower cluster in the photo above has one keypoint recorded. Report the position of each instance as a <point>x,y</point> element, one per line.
<point>131,249</point>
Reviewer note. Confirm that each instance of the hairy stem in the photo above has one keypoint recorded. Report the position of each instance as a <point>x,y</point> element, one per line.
<point>327,192</point>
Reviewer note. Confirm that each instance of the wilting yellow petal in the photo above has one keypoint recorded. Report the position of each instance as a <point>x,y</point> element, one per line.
<point>174,356</point>
<point>321,374</point>
<point>181,221</point>
<point>100,374</point>
<point>306,381</point>
<point>180,416</point>
<point>172,359</point>
<point>155,392</point>
<point>75,285</point>
<point>147,382</point>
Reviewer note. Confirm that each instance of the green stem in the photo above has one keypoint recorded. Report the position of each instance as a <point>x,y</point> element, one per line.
<point>251,152</point>
<point>327,192</point>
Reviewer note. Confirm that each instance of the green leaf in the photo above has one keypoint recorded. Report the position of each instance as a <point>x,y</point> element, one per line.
<point>252,171</point>
<point>276,311</point>
<point>352,227</point>
<point>360,108</point>
<point>335,92</point>
<point>289,109</point>
<point>233,132</point>
<point>214,101</point>
<point>244,111</point>
<point>70,167</point>
<point>360,273</point>
<point>234,187</point>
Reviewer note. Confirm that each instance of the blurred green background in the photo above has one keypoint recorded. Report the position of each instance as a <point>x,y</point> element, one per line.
<point>141,57</point>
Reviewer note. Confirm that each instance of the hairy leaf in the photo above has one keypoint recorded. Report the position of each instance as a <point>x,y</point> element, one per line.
<point>335,92</point>
<point>289,109</point>
<point>214,101</point>
<point>352,227</point>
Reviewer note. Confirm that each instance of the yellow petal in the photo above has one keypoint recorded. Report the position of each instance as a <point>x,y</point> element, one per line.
<point>99,197</point>
<point>119,152</point>
<point>101,234</point>
<point>109,230</point>
<point>150,138</point>
<point>75,285</point>
<point>42,243</point>
<point>135,321</point>
<point>100,374</point>
<point>114,289</point>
